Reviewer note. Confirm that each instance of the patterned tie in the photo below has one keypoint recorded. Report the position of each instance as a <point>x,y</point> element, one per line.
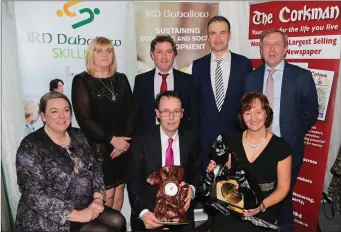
<point>164,82</point>
<point>219,86</point>
<point>169,153</point>
<point>269,90</point>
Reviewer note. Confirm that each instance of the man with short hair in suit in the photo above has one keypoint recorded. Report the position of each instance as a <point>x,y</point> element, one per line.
<point>152,151</point>
<point>292,95</point>
<point>219,78</point>
<point>164,77</point>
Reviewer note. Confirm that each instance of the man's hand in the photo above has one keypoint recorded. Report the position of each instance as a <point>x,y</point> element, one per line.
<point>150,221</point>
<point>188,197</point>
<point>115,153</point>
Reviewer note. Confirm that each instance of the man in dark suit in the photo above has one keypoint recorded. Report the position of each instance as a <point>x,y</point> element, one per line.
<point>292,94</point>
<point>219,79</point>
<point>151,152</point>
<point>162,78</point>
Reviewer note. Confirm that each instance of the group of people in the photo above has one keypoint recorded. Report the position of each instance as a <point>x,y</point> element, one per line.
<point>73,179</point>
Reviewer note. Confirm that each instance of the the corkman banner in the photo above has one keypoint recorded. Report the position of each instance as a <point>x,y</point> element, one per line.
<point>314,29</point>
<point>186,22</point>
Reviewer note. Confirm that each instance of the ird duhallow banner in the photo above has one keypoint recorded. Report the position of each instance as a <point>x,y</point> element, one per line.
<point>186,22</point>
<point>53,37</point>
<point>314,30</point>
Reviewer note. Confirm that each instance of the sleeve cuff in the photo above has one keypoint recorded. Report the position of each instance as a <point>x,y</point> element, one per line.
<point>193,189</point>
<point>143,212</point>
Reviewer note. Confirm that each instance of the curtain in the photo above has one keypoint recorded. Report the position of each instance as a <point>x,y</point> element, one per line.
<point>11,106</point>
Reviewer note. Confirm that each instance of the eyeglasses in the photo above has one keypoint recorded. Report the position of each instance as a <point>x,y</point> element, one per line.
<point>167,113</point>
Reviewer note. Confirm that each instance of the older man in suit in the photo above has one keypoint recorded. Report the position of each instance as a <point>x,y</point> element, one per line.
<point>292,94</point>
<point>163,145</point>
<point>162,78</point>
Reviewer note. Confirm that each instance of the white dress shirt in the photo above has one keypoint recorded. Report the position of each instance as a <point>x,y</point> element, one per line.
<point>176,153</point>
<point>225,68</point>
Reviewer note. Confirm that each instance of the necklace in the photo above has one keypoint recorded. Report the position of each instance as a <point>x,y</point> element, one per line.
<point>111,91</point>
<point>63,143</point>
<point>255,146</point>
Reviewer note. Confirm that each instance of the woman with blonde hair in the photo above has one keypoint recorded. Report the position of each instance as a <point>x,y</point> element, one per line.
<point>102,99</point>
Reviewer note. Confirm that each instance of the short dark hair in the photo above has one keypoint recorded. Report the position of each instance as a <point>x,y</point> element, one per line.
<point>54,84</point>
<point>219,18</point>
<point>52,95</point>
<point>168,94</point>
<point>161,39</point>
<point>246,104</point>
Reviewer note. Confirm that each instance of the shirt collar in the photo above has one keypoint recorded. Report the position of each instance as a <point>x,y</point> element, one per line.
<point>225,57</point>
<point>170,72</point>
<point>165,137</point>
<point>279,67</point>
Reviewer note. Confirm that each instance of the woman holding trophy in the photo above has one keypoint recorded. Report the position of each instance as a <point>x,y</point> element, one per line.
<point>256,171</point>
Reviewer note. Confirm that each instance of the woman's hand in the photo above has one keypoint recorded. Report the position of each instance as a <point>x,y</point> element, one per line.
<point>252,212</point>
<point>97,205</point>
<point>115,153</point>
<point>211,166</point>
<point>85,215</point>
<point>120,143</point>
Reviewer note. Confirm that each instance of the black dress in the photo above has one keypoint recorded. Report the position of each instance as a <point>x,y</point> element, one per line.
<point>102,108</point>
<point>264,171</point>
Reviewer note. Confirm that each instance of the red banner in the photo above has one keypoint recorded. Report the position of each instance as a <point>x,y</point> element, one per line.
<point>314,30</point>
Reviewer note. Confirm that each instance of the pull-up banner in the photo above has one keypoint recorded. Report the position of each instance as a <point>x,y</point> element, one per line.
<point>314,29</point>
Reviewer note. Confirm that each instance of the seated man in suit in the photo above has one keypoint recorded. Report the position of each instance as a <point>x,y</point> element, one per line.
<point>292,95</point>
<point>163,145</point>
<point>162,78</point>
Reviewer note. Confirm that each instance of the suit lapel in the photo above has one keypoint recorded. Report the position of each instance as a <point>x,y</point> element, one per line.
<point>285,91</point>
<point>156,147</point>
<point>260,79</point>
<point>150,86</point>
<point>177,82</point>
<point>183,148</point>
<point>207,78</point>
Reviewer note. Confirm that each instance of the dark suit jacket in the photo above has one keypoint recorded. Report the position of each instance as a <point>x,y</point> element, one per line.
<point>212,122</point>
<point>144,100</point>
<point>146,152</point>
<point>298,107</point>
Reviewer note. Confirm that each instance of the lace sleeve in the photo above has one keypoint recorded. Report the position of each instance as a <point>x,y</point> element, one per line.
<point>81,107</point>
<point>31,181</point>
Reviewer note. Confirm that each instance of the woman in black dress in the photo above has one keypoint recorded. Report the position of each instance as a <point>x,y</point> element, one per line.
<point>60,180</point>
<point>265,156</point>
<point>102,101</point>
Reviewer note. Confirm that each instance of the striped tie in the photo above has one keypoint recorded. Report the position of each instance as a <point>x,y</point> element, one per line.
<point>219,86</point>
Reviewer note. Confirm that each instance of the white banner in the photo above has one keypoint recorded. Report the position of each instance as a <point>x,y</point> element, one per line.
<point>53,37</point>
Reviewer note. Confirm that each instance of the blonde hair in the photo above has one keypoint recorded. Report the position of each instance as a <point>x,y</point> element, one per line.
<point>31,108</point>
<point>95,44</point>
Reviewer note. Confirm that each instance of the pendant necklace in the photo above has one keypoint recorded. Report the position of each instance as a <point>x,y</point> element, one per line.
<point>111,91</point>
<point>255,146</point>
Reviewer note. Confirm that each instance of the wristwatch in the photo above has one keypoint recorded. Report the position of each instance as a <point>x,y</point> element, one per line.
<point>263,207</point>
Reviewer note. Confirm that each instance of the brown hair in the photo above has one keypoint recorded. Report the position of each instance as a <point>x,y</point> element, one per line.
<point>246,104</point>
<point>162,39</point>
<point>95,44</point>
<point>52,95</point>
<point>271,31</point>
<point>219,18</point>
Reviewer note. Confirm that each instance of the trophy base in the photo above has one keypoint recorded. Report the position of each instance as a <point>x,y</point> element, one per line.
<point>174,223</point>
